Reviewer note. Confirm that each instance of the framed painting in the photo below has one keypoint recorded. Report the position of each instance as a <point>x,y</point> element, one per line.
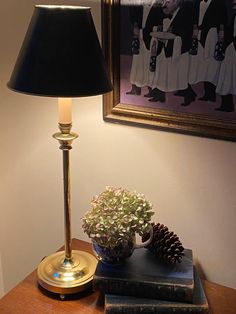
<point>172,64</point>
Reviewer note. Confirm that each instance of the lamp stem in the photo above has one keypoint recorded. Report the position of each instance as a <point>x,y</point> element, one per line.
<point>65,138</point>
<point>67,205</point>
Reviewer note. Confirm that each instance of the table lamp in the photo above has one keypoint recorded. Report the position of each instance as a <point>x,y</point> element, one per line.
<point>61,57</point>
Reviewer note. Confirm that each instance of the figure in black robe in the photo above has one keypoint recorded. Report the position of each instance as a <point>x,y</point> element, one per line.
<point>181,15</point>
<point>214,18</point>
<point>141,34</point>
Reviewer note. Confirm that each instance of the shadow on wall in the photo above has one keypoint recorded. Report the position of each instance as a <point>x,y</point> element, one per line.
<point>199,269</point>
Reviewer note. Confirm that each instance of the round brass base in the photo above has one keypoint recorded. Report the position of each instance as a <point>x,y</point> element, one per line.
<point>60,275</point>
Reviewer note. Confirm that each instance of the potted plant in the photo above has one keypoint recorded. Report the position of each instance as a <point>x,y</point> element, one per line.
<point>114,219</point>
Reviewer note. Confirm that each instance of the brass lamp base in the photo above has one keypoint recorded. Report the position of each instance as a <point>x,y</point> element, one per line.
<point>60,275</point>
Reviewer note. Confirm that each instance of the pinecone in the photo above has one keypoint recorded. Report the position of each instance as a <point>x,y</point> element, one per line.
<point>165,244</point>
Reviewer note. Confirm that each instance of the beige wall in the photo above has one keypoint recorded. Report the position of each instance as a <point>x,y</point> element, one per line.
<point>190,180</point>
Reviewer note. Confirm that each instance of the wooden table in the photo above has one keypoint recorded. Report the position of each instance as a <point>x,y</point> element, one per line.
<point>27,298</point>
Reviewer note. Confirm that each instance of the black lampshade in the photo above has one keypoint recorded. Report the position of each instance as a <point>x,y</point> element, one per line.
<point>61,55</point>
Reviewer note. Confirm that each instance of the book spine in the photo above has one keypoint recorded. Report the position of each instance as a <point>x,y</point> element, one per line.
<point>153,310</point>
<point>149,290</point>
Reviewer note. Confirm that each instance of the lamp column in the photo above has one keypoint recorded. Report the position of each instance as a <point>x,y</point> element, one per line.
<point>65,138</point>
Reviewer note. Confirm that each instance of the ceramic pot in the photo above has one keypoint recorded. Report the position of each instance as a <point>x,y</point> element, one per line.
<point>118,254</point>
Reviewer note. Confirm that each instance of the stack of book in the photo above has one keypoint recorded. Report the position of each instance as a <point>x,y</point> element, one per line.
<point>144,285</point>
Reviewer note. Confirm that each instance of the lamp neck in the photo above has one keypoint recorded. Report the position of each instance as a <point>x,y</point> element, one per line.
<point>65,128</point>
<point>65,137</point>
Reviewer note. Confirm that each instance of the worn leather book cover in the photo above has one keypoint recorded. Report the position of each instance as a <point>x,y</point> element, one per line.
<point>142,275</point>
<point>115,304</point>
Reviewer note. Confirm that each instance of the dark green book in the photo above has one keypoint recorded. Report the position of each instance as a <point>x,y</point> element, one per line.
<point>115,304</point>
<point>142,275</point>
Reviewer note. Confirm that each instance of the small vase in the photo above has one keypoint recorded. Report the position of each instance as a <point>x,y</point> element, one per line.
<point>118,254</point>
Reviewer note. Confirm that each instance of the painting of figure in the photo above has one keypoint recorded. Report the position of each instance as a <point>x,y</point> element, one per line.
<point>179,55</point>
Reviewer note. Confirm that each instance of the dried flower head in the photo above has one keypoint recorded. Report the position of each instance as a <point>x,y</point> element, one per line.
<point>116,215</point>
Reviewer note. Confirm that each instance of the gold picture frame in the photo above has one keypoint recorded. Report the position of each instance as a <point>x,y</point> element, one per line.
<point>136,114</point>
